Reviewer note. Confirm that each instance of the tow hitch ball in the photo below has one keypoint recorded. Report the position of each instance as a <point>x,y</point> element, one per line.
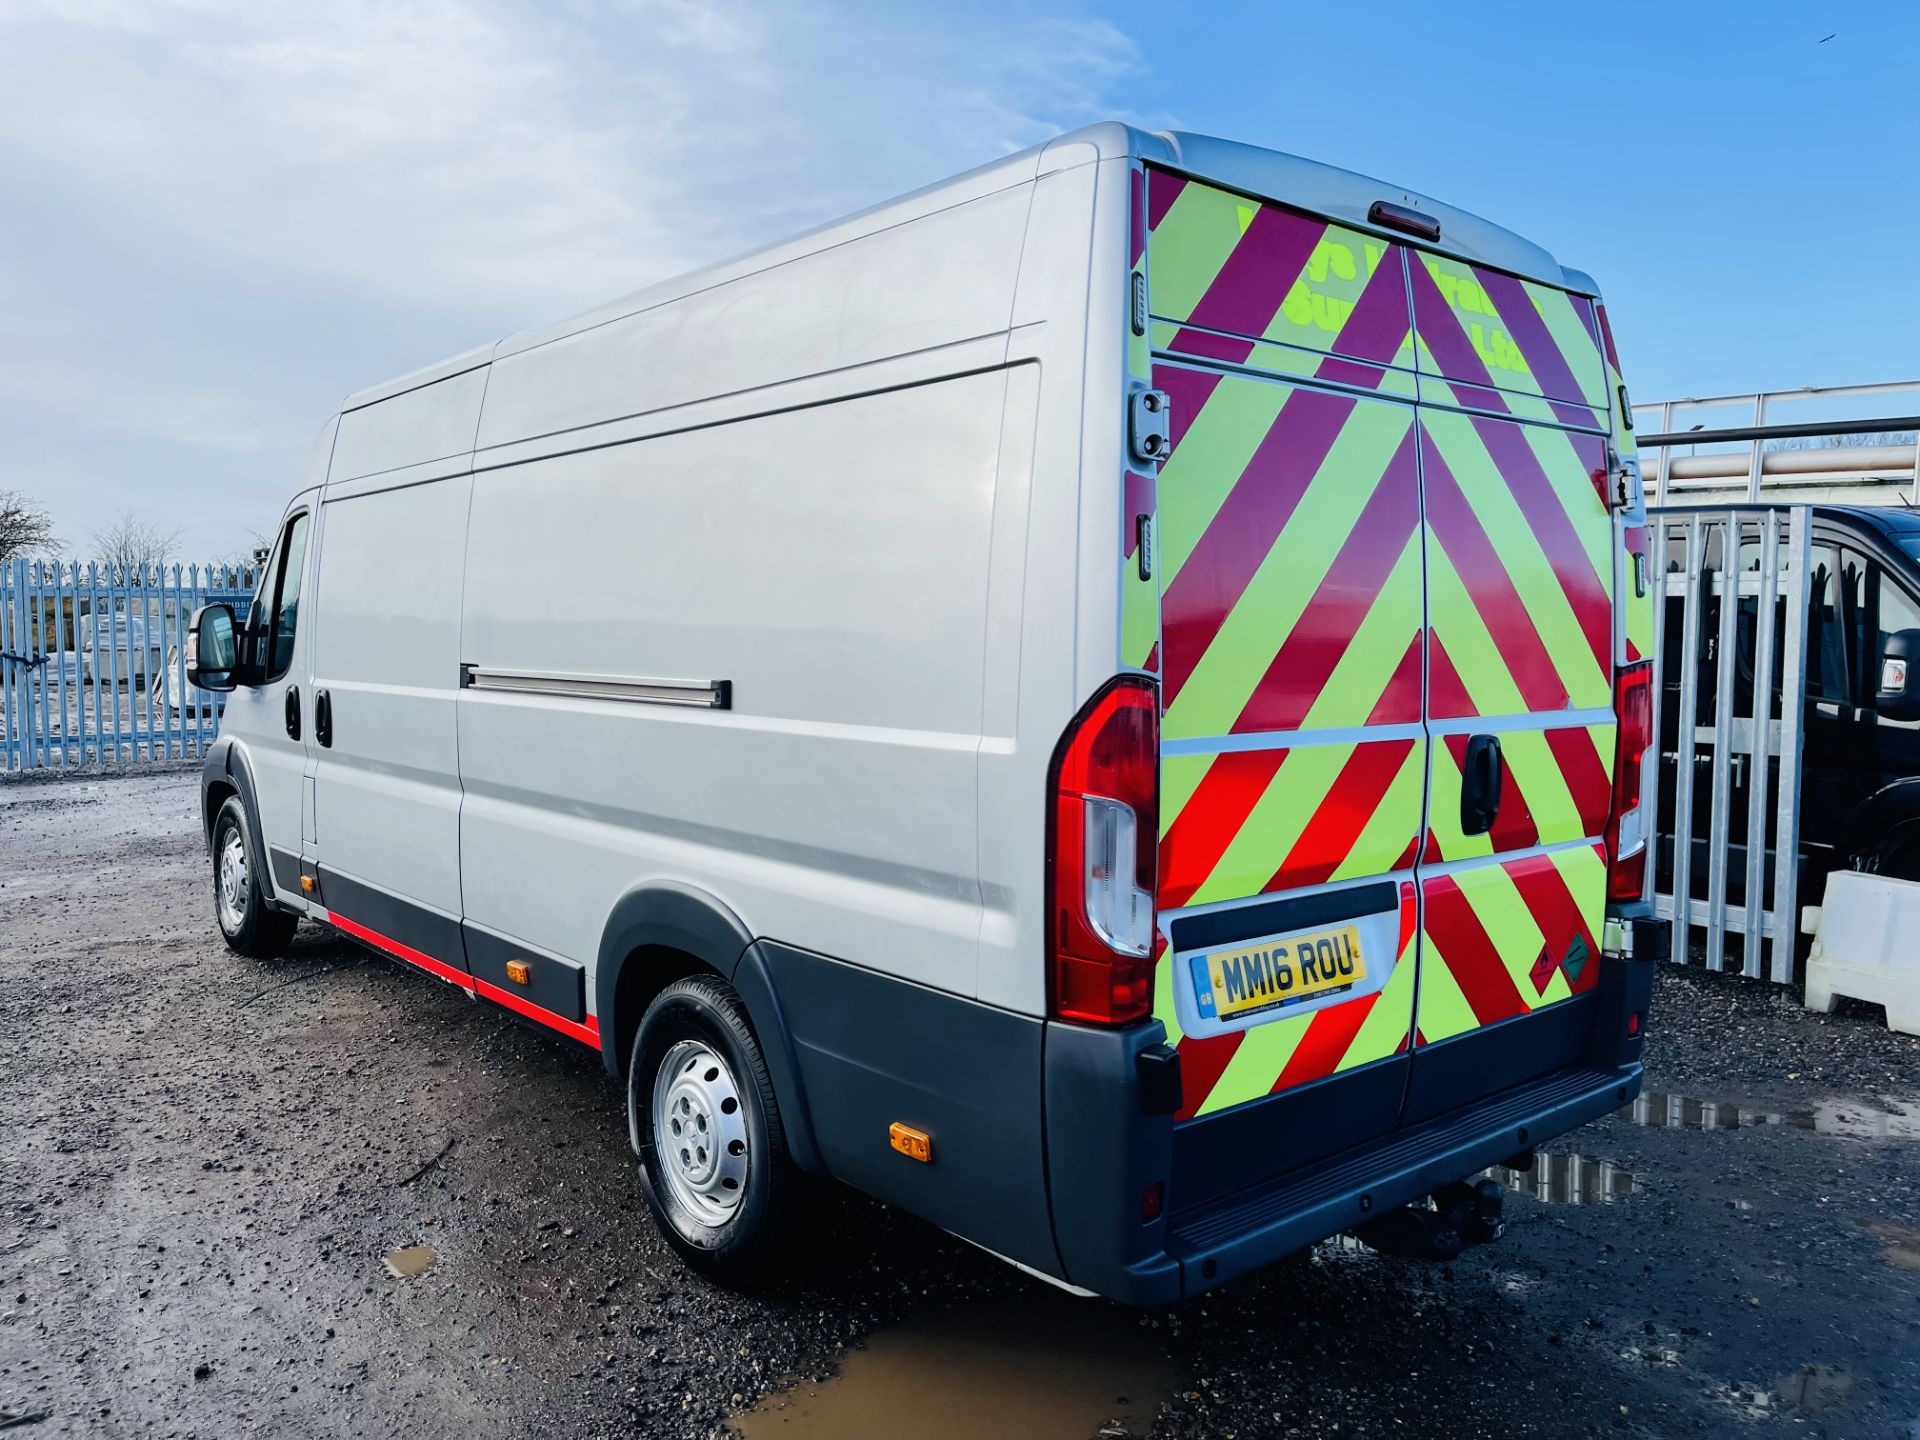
<point>1461,1215</point>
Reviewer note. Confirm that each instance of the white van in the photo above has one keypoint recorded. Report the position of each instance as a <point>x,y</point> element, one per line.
<point>849,688</point>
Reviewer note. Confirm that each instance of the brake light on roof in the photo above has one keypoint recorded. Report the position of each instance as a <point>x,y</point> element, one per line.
<point>1403,218</point>
<point>1627,827</point>
<point>1103,856</point>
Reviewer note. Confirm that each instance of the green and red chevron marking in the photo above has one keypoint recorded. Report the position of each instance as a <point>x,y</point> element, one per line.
<point>1507,938</point>
<point>1335,565</point>
<point>1290,552</point>
<point>1257,284</point>
<point>1220,1071</point>
<point>1519,567</point>
<point>1555,786</point>
<point>1247,822</point>
<point>1496,342</point>
<point>1637,605</point>
<point>1139,596</point>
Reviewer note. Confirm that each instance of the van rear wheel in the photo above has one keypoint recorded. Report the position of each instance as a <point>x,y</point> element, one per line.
<point>248,925</point>
<point>713,1156</point>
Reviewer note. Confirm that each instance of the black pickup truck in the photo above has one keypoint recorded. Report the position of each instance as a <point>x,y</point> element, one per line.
<point>1860,776</point>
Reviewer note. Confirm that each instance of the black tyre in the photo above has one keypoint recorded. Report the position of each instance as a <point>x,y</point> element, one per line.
<point>713,1156</point>
<point>250,927</point>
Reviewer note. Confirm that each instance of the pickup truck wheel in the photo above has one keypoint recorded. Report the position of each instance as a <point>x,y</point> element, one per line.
<point>713,1156</point>
<point>248,925</point>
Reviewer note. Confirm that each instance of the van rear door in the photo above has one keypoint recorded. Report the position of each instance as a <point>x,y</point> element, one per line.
<point>1293,761</point>
<point>1520,575</point>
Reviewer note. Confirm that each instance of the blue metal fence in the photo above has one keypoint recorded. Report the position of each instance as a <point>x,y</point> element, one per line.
<point>93,662</point>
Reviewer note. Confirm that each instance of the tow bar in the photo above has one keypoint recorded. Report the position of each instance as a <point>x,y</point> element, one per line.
<point>1460,1216</point>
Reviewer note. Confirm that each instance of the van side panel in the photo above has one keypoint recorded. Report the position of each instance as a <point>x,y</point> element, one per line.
<point>386,652</point>
<point>945,278</point>
<point>434,422</point>
<point>831,565</point>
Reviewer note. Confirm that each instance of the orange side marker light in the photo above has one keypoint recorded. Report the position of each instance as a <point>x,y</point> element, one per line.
<point>519,972</point>
<point>912,1143</point>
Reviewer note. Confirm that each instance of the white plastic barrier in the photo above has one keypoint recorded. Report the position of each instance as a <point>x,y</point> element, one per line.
<point>1867,947</point>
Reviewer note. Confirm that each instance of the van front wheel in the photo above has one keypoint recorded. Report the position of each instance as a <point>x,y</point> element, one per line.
<point>250,928</point>
<point>713,1157</point>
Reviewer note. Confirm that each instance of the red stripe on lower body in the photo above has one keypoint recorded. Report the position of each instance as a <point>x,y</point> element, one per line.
<point>588,1033</point>
<point>439,968</point>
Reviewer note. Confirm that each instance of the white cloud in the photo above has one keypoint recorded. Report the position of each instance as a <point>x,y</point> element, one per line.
<point>243,210</point>
<point>451,148</point>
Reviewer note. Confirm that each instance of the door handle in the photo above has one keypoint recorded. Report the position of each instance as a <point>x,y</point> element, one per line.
<point>1480,785</point>
<point>323,718</point>
<point>293,712</point>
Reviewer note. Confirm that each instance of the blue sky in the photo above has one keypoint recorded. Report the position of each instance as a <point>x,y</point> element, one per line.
<point>225,215</point>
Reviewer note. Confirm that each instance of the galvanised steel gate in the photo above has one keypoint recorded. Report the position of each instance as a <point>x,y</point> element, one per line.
<point>93,662</point>
<point>1730,608</point>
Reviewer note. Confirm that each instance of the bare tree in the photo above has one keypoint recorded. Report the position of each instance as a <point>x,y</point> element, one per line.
<point>246,558</point>
<point>25,526</point>
<point>133,544</point>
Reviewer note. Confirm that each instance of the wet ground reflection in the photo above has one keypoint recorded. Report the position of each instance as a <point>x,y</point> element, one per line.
<point>1847,1118</point>
<point>1568,1180</point>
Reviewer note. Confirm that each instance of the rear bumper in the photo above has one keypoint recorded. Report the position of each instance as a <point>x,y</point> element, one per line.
<point>1103,1155</point>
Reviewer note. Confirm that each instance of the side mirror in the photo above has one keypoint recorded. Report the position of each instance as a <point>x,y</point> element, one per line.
<point>213,648</point>
<point>1899,697</point>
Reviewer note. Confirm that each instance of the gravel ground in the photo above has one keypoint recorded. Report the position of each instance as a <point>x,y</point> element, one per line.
<point>204,1161</point>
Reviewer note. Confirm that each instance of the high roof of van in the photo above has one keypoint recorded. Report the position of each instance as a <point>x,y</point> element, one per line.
<point>1341,195</point>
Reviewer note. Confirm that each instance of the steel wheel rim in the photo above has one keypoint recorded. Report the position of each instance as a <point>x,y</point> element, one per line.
<point>700,1132</point>
<point>233,881</point>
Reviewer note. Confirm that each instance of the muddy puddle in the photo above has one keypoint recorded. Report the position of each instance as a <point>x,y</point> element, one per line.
<point>1899,1244</point>
<point>410,1261</point>
<point>1846,1118</point>
<point>1042,1367</point>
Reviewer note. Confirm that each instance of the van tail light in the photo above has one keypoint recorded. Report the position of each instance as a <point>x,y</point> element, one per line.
<point>1627,829</point>
<point>1103,856</point>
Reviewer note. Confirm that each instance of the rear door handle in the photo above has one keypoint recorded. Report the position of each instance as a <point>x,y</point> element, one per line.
<point>293,712</point>
<point>323,718</point>
<point>1480,785</point>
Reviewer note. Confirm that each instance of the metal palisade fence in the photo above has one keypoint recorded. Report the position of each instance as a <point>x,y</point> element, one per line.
<point>93,661</point>
<point>1730,609</point>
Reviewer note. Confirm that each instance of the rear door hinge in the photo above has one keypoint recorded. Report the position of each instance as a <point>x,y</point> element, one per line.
<point>1149,435</point>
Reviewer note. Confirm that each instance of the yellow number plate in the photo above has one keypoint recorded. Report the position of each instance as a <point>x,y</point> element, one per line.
<point>1268,974</point>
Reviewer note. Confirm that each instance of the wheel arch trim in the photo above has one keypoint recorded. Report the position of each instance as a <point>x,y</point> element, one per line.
<point>671,915</point>
<point>226,764</point>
